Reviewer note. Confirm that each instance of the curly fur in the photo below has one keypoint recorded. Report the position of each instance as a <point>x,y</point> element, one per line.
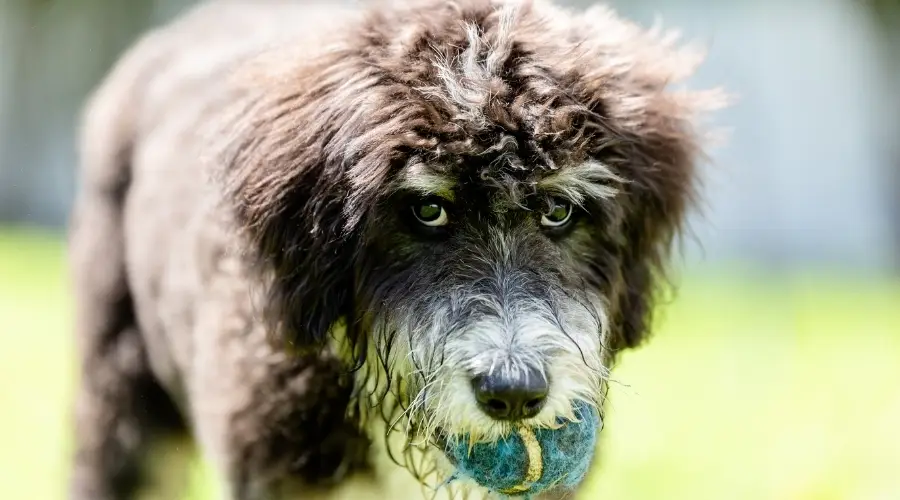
<point>240,264</point>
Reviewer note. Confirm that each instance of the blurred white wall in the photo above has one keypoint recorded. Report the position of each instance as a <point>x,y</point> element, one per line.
<point>807,174</point>
<point>808,177</point>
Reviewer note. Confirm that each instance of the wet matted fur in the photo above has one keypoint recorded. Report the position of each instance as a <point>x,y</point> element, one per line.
<point>302,228</point>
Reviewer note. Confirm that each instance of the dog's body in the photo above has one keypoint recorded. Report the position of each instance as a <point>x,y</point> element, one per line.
<point>240,169</point>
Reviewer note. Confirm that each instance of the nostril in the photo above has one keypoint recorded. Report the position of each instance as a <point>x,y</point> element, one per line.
<point>497,405</point>
<point>534,404</point>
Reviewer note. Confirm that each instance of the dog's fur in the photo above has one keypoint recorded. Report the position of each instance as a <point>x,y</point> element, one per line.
<point>245,260</point>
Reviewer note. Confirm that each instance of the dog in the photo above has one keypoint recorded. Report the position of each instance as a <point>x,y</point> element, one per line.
<point>319,238</point>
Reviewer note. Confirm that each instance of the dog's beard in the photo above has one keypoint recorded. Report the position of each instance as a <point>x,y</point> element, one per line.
<point>416,377</point>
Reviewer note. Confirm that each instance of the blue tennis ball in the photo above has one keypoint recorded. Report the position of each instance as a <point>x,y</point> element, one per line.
<point>530,461</point>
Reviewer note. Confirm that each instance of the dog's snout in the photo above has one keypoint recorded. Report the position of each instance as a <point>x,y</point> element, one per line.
<point>511,396</point>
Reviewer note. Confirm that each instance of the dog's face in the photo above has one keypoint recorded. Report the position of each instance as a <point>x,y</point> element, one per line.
<point>483,192</point>
<point>482,282</point>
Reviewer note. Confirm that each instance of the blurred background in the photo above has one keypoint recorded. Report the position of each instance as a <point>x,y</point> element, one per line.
<point>774,375</point>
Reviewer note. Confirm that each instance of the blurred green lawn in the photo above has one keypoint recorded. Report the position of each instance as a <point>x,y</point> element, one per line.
<point>753,388</point>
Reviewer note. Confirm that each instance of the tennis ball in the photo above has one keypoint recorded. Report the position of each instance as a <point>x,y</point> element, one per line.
<point>530,461</point>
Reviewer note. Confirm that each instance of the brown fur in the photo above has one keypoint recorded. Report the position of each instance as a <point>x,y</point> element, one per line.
<point>228,166</point>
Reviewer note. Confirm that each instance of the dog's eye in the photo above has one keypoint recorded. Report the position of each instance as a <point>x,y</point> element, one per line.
<point>559,214</point>
<point>430,213</point>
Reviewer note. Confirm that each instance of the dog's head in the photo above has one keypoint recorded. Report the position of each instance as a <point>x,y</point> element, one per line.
<point>483,192</point>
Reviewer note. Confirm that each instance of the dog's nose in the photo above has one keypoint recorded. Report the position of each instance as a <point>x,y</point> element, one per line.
<point>511,397</point>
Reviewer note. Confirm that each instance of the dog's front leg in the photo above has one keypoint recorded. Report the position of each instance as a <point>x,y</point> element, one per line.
<point>265,418</point>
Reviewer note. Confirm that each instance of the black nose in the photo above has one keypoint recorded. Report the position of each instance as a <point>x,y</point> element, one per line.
<point>511,396</point>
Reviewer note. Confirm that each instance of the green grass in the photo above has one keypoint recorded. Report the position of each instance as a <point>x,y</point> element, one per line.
<point>752,388</point>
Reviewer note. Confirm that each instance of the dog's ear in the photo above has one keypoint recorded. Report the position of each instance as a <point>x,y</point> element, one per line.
<point>657,157</point>
<point>657,141</point>
<point>652,220</point>
<point>287,148</point>
<point>621,75</point>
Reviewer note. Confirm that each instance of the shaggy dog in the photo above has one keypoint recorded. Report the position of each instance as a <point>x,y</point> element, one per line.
<point>316,236</point>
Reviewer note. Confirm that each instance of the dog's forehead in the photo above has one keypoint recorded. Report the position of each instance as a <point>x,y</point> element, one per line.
<point>505,179</point>
<point>499,124</point>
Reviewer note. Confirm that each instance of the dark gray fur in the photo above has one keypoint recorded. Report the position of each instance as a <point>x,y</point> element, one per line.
<point>246,178</point>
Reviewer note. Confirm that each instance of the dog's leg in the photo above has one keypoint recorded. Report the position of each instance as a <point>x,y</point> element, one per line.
<point>111,358</point>
<point>117,398</point>
<point>109,431</point>
<point>263,418</point>
<point>118,401</point>
<point>226,381</point>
